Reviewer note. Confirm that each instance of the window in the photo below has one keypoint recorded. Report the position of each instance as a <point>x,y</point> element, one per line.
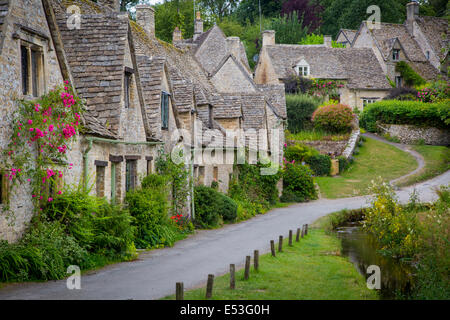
<point>302,71</point>
<point>210,109</point>
<point>31,69</point>
<point>367,101</point>
<point>216,173</point>
<point>3,188</point>
<point>127,83</point>
<point>130,175</point>
<point>398,81</point>
<point>395,54</point>
<point>201,174</point>
<point>164,110</point>
<point>100,168</point>
<point>427,54</point>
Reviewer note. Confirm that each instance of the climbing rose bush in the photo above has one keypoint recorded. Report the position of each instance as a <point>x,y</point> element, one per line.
<point>334,118</point>
<point>42,132</point>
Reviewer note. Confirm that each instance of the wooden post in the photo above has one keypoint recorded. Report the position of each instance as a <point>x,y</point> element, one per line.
<point>280,244</point>
<point>303,231</point>
<point>306,229</point>
<point>179,291</point>
<point>272,247</point>
<point>297,237</point>
<point>232,277</point>
<point>209,286</point>
<point>247,268</point>
<point>290,238</point>
<point>256,260</point>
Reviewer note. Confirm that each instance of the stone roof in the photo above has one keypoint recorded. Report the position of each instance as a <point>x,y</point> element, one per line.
<point>275,96</point>
<point>435,31</point>
<point>95,54</point>
<point>253,110</point>
<point>358,66</point>
<point>388,32</point>
<point>150,72</point>
<point>228,106</point>
<point>348,34</point>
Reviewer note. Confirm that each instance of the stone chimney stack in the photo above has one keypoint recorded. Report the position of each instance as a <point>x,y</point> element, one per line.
<point>176,36</point>
<point>412,12</point>
<point>145,17</point>
<point>268,38</point>
<point>113,4</point>
<point>198,26</point>
<point>234,46</point>
<point>327,41</point>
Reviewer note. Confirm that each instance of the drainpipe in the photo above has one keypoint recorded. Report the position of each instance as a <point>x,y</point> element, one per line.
<point>192,184</point>
<point>91,140</point>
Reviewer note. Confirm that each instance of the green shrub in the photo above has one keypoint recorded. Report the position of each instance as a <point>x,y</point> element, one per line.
<point>334,118</point>
<point>211,205</point>
<point>344,163</point>
<point>300,108</point>
<point>320,164</point>
<point>44,253</point>
<point>149,208</point>
<point>405,112</point>
<point>410,77</point>
<point>299,153</point>
<point>298,184</point>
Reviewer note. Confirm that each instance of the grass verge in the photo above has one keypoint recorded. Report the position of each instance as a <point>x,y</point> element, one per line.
<point>375,159</point>
<point>437,161</point>
<point>316,134</point>
<point>310,269</point>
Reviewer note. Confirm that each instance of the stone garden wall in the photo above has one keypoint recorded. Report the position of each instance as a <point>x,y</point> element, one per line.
<point>409,134</point>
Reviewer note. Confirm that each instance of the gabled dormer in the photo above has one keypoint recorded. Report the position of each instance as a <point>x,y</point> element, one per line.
<point>302,68</point>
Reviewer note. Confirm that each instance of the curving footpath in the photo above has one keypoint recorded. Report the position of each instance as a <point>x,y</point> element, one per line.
<point>155,273</point>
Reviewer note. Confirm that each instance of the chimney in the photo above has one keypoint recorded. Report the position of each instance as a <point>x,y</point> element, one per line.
<point>234,46</point>
<point>198,26</point>
<point>145,17</point>
<point>327,41</point>
<point>176,36</point>
<point>412,12</point>
<point>113,4</point>
<point>268,38</point>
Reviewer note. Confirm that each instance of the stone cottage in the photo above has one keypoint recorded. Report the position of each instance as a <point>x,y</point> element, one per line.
<point>358,68</point>
<point>422,42</point>
<point>142,94</point>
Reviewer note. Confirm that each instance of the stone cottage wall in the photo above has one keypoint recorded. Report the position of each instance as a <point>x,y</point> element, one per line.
<point>30,14</point>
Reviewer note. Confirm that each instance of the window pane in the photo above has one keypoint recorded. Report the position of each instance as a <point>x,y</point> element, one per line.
<point>24,63</point>
<point>164,110</point>
<point>34,72</point>
<point>127,81</point>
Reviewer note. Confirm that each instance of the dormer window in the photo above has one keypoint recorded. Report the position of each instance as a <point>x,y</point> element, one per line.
<point>164,110</point>
<point>302,68</point>
<point>31,59</point>
<point>395,54</point>
<point>427,54</point>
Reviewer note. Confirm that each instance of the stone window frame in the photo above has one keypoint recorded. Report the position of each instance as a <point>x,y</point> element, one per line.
<point>427,54</point>
<point>398,81</point>
<point>36,43</point>
<point>149,160</point>
<point>131,174</point>
<point>165,104</point>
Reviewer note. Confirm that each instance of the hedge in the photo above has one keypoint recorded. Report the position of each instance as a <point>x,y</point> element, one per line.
<point>299,111</point>
<point>211,206</point>
<point>320,164</point>
<point>406,112</point>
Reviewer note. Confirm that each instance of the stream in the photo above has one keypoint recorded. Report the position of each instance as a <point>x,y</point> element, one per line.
<point>362,250</point>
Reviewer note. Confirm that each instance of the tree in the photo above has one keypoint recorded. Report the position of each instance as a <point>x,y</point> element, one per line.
<point>289,29</point>
<point>348,14</point>
<point>219,8</point>
<point>307,11</point>
<point>248,10</point>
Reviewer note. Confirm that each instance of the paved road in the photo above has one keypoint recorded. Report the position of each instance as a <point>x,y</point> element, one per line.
<point>154,275</point>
